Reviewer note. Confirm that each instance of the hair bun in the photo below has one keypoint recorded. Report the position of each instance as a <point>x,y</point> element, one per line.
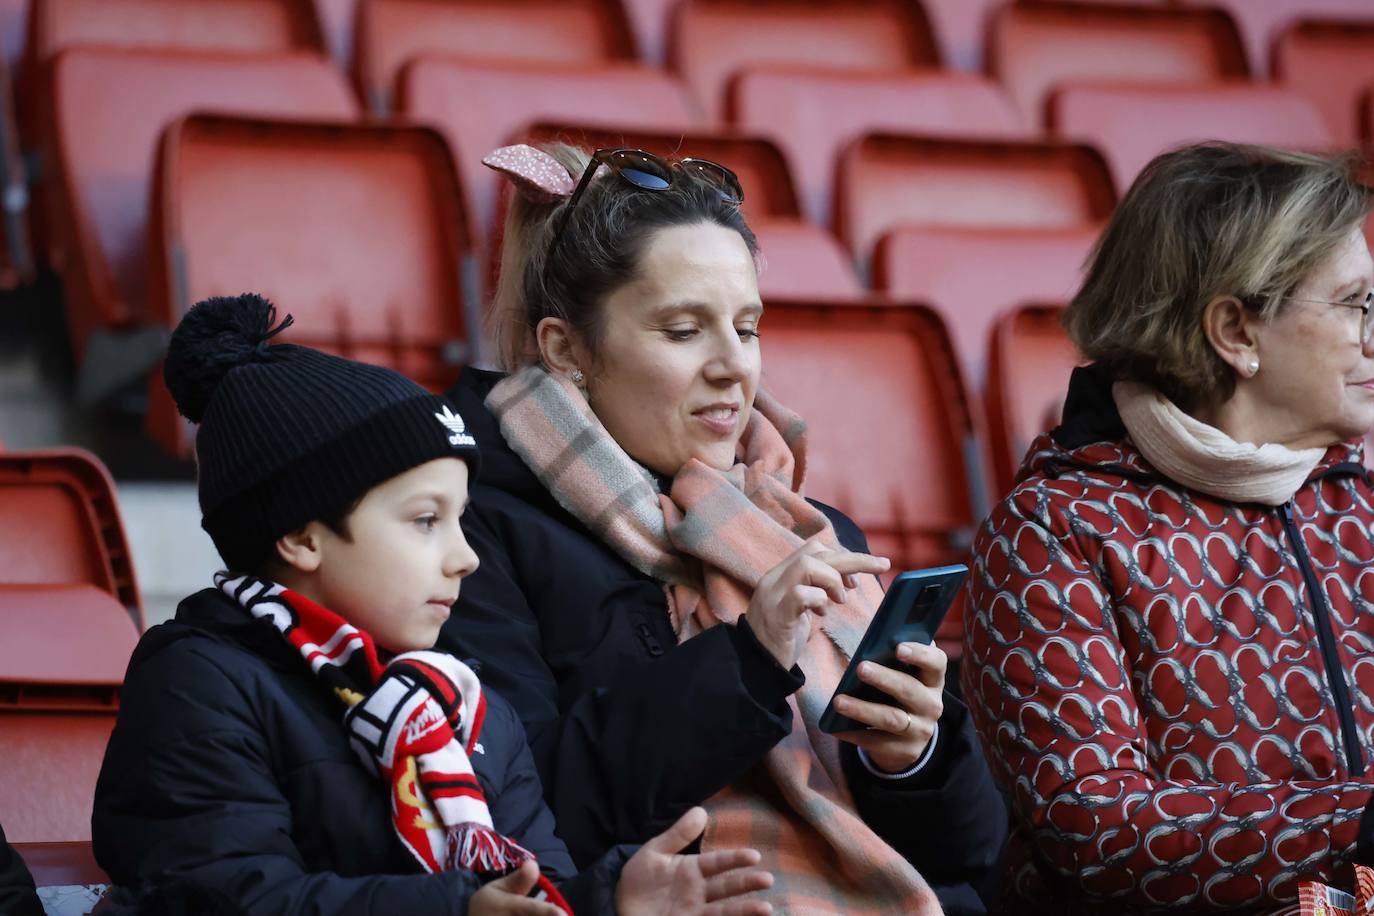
<point>216,335</point>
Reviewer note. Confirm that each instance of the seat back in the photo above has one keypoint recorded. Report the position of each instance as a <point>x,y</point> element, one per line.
<point>1029,362</point>
<point>68,864</point>
<point>479,107</point>
<point>61,664</point>
<point>803,261</point>
<point>1133,124</point>
<point>244,26</point>
<point>357,231</point>
<point>1034,47</point>
<point>889,429</point>
<point>813,114</point>
<point>769,192</point>
<point>974,276</point>
<point>394,32</point>
<point>712,40</point>
<point>1260,21</point>
<point>110,106</point>
<point>886,181</point>
<point>1332,65</point>
<point>60,525</point>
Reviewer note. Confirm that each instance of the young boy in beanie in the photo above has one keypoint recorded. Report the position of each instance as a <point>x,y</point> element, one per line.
<point>288,744</point>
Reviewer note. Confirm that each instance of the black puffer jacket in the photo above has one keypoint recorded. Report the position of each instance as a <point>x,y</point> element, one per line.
<point>628,728</point>
<point>228,781</point>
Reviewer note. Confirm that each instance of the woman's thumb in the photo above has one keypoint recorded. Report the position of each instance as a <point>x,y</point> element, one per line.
<point>521,880</point>
<point>677,837</point>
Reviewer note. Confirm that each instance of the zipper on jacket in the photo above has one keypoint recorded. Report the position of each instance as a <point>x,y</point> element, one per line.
<point>1326,638</point>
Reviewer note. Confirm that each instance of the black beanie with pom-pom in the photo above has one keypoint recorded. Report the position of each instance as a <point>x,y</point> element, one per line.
<point>289,434</point>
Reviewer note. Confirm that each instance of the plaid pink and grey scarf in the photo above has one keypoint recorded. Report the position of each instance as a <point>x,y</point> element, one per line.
<point>710,542</point>
<point>413,722</point>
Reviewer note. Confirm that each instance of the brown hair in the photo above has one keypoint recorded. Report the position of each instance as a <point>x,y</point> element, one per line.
<point>1201,222</point>
<point>599,250</point>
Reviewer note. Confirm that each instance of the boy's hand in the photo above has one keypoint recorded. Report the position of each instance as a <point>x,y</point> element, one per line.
<point>658,879</point>
<point>506,896</point>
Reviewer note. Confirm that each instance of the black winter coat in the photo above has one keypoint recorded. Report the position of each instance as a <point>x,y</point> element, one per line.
<point>229,786</point>
<point>628,727</point>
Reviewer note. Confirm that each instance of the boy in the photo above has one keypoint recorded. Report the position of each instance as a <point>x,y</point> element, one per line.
<point>286,744</point>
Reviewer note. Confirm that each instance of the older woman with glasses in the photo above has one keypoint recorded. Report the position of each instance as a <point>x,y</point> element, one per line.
<point>656,597</point>
<point>1170,657</point>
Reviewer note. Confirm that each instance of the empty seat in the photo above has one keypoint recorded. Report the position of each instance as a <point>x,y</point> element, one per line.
<point>109,107</point>
<point>1030,358</point>
<point>712,40</point>
<point>889,424</point>
<point>803,261</point>
<point>479,107</point>
<point>974,276</point>
<point>254,26</point>
<point>887,181</point>
<point>1260,21</point>
<point>812,115</point>
<point>393,32</point>
<point>1332,64</point>
<point>60,526</point>
<point>357,231</point>
<point>1034,47</point>
<point>61,664</point>
<point>1132,124</point>
<point>769,192</point>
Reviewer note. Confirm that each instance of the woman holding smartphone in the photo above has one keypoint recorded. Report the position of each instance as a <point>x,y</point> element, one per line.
<point>658,600</point>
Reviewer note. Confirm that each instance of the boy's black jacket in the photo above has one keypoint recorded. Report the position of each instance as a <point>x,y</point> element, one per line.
<point>229,777</point>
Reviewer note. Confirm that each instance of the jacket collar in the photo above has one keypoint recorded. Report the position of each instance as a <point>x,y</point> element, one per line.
<point>1092,436</point>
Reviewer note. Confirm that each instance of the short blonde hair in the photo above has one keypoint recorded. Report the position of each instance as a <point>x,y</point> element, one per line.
<point>1201,222</point>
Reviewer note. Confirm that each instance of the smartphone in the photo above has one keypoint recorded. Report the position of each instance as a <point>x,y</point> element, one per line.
<point>911,611</point>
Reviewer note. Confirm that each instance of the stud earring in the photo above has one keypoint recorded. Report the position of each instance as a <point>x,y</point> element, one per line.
<point>1253,366</point>
<point>577,377</point>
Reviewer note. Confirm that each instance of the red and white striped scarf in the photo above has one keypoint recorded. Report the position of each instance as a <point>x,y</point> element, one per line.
<point>413,721</point>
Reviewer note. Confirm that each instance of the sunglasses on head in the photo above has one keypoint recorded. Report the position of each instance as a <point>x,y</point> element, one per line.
<point>650,173</point>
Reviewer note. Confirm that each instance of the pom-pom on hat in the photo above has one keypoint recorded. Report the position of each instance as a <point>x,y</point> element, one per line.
<point>289,434</point>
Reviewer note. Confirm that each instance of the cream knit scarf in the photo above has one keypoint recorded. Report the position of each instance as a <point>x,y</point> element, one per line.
<point>1204,458</point>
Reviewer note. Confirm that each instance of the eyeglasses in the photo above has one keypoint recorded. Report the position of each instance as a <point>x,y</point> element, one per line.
<point>1366,326</point>
<point>649,173</point>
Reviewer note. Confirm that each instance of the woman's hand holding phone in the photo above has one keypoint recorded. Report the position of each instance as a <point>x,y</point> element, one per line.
<point>898,733</point>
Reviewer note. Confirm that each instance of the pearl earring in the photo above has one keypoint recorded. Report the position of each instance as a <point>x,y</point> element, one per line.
<point>577,376</point>
<point>1252,366</point>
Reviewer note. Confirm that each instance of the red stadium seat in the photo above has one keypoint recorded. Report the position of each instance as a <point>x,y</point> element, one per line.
<point>244,26</point>
<point>974,276</point>
<point>357,231</point>
<point>1332,64</point>
<point>880,389</point>
<point>714,39</point>
<point>1260,21</point>
<point>1132,124</point>
<point>803,261</point>
<point>1033,47</point>
<point>394,32</point>
<point>60,526</point>
<point>109,108</point>
<point>814,114</point>
<point>479,107</point>
<point>62,864</point>
<point>768,189</point>
<point>887,181</point>
<point>69,611</point>
<point>1029,361</point>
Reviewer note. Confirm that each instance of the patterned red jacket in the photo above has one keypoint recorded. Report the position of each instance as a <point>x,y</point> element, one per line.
<point>1177,690</point>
